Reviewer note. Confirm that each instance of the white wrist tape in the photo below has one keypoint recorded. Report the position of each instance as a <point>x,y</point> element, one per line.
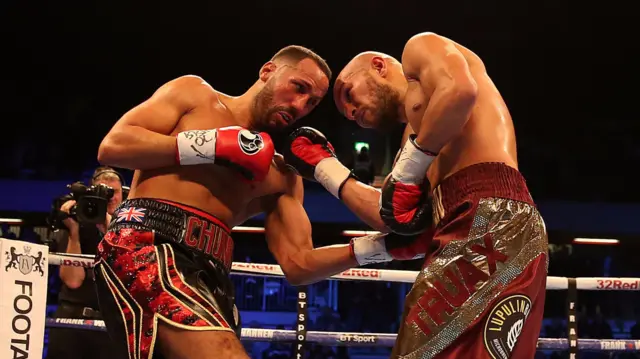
<point>197,146</point>
<point>411,167</point>
<point>331,174</point>
<point>371,249</point>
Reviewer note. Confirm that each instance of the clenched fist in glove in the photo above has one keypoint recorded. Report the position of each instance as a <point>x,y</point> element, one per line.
<point>378,248</point>
<point>310,154</point>
<point>248,152</point>
<point>405,206</point>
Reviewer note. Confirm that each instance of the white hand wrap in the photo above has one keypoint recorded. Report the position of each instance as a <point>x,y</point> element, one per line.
<point>330,173</point>
<point>370,249</point>
<point>411,167</point>
<point>197,147</point>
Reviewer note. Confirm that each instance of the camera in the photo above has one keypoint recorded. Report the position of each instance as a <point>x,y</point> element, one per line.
<point>90,208</point>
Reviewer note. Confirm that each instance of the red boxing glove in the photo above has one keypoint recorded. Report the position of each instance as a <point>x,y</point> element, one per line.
<point>310,154</point>
<point>405,206</point>
<point>247,152</point>
<point>378,248</point>
<point>408,248</point>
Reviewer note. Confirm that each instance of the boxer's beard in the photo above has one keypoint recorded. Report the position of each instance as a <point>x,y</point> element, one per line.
<point>263,108</point>
<point>387,104</point>
<point>260,108</point>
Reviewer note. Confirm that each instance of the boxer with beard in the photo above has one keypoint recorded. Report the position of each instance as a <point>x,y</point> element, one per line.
<point>205,162</point>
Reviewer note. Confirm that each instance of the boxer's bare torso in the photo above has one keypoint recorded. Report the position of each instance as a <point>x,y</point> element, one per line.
<point>144,139</point>
<point>488,135</point>
<point>210,188</point>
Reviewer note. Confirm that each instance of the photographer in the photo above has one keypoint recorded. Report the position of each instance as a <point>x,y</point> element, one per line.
<point>77,298</point>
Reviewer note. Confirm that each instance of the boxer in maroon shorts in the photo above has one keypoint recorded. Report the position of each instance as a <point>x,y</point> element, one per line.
<point>481,291</point>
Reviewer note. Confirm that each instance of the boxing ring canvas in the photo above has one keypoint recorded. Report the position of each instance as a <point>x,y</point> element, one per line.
<point>23,278</point>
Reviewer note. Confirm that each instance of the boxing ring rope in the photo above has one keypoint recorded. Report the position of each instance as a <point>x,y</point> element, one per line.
<point>364,339</point>
<point>377,339</point>
<point>377,275</point>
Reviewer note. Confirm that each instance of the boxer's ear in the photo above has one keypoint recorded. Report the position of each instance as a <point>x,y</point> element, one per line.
<point>379,65</point>
<point>267,70</point>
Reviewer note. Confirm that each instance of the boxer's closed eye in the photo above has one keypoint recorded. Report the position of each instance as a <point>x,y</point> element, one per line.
<point>299,87</point>
<point>347,95</point>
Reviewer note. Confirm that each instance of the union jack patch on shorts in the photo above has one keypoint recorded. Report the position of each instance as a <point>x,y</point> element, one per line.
<point>130,214</point>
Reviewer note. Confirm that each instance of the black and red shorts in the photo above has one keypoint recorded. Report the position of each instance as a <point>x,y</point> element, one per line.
<point>163,261</point>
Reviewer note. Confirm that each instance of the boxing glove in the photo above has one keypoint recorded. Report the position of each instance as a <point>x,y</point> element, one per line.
<point>309,153</point>
<point>247,152</point>
<point>378,248</point>
<point>405,206</point>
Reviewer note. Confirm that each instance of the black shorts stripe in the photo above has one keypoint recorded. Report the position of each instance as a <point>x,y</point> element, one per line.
<point>163,253</point>
<point>110,279</point>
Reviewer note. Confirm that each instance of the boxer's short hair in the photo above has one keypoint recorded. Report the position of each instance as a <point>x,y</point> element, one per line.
<point>296,53</point>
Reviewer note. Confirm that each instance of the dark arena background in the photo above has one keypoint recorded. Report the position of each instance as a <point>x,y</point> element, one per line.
<point>567,71</point>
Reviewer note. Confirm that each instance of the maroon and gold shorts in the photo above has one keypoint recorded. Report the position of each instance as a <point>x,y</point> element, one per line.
<point>163,261</point>
<point>481,293</point>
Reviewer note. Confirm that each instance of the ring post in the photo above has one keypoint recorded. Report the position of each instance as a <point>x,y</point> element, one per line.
<point>301,323</point>
<point>572,323</point>
<point>23,298</point>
